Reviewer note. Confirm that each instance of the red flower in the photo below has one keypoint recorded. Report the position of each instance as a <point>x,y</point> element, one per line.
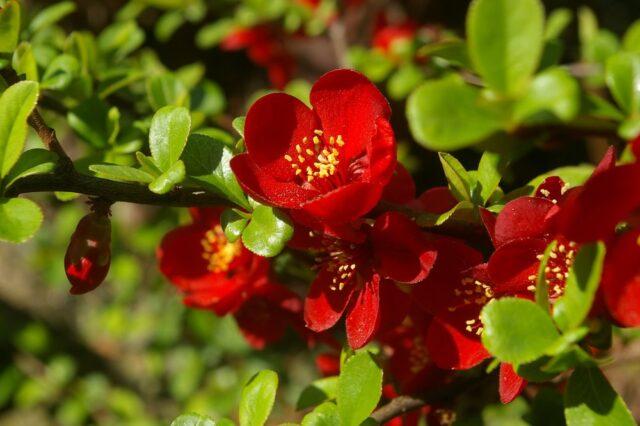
<point>88,256</point>
<point>621,279</point>
<point>265,49</point>
<point>211,272</point>
<point>267,313</point>
<point>387,36</point>
<point>355,275</point>
<point>328,164</point>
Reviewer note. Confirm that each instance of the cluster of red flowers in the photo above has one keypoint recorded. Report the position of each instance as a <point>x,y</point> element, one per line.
<point>418,293</point>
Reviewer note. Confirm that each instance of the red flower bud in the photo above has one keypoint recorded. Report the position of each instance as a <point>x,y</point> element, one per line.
<point>88,256</point>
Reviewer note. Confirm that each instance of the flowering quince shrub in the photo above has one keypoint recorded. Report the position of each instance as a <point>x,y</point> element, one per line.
<point>311,216</point>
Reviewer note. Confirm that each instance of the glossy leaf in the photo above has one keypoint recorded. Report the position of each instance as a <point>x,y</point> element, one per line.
<point>514,341</point>
<point>325,414</point>
<point>170,128</point>
<point>16,104</point>
<point>457,177</point>
<point>268,231</point>
<point>31,162</point>
<point>121,173</point>
<point>447,114</point>
<point>166,89</point>
<point>505,40</point>
<point>584,278</point>
<point>257,399</point>
<point>318,392</point>
<point>170,178</point>
<point>589,399</point>
<point>233,223</point>
<point>20,218</point>
<point>554,94</point>
<point>488,175</point>
<point>359,388</point>
<point>623,80</point>
<point>193,420</point>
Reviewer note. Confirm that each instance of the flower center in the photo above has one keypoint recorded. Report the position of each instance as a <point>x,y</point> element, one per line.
<point>217,250</point>
<point>473,292</point>
<point>418,355</point>
<point>556,272</point>
<point>316,158</point>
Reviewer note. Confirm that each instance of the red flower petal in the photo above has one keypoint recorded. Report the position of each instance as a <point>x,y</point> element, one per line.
<point>607,162</point>
<point>265,188</point>
<point>323,306</point>
<point>621,280</point>
<point>603,201</point>
<point>274,125</point>
<point>401,249</point>
<point>401,189</point>
<point>348,104</point>
<point>180,256</point>
<point>346,203</point>
<point>489,222</point>
<point>511,385</point>
<point>436,200</point>
<point>382,153</point>
<point>363,319</point>
<point>451,348</point>
<point>513,263</point>
<point>551,189</point>
<point>523,217</point>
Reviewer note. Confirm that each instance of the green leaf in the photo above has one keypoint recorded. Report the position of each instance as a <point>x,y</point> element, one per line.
<point>488,175</point>
<point>404,80</point>
<point>90,121</point>
<point>631,39</point>
<point>60,73</point>
<point>325,414</point>
<point>170,128</point>
<point>584,277</point>
<point>193,420</point>
<point>20,218</point>
<point>212,34</point>
<point>571,357</point>
<point>590,400</point>
<point>511,339</point>
<point>447,114</point>
<point>31,162</point>
<point>454,51</point>
<point>359,388</point>
<point>166,89</point>
<point>257,398</point>
<point>233,223</point>
<point>24,63</point>
<point>558,21</point>
<point>121,173</point>
<point>268,231</point>
<point>16,103</point>
<point>457,177</point>
<point>318,392</point>
<point>9,26</point>
<point>207,162</point>
<point>168,24</point>
<point>167,180</point>
<point>148,165</point>
<point>623,80</point>
<point>50,15</point>
<point>238,125</point>
<point>208,98</point>
<point>120,39</point>
<point>542,289</point>
<point>505,40</point>
<point>553,94</point>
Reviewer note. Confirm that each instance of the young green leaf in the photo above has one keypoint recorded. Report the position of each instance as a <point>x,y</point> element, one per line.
<point>325,414</point>
<point>9,26</point>
<point>488,175</point>
<point>24,62</point>
<point>233,223</point>
<point>121,173</point>
<point>20,218</point>
<point>193,420</point>
<point>404,80</point>
<point>318,392</point>
<point>268,231</point>
<point>448,114</point>
<point>50,15</point>
<point>238,125</point>
<point>120,39</point>
<point>166,89</point>
<point>511,338</point>
<point>16,104</point>
<point>31,162</point>
<point>457,177</point>
<point>553,95</point>
<point>257,399</point>
<point>359,389</point>
<point>584,277</point>
<point>589,399</point>
<point>631,39</point>
<point>60,72</point>
<point>623,80</point>
<point>558,21</point>
<point>505,41</point>
<point>207,160</point>
<point>170,128</point>
<point>167,180</point>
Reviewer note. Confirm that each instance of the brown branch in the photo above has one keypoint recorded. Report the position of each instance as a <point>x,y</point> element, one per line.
<point>397,407</point>
<point>112,191</point>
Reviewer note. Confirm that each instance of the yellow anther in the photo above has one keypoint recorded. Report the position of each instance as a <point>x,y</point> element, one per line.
<point>318,132</point>
<point>288,157</point>
<point>298,149</point>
